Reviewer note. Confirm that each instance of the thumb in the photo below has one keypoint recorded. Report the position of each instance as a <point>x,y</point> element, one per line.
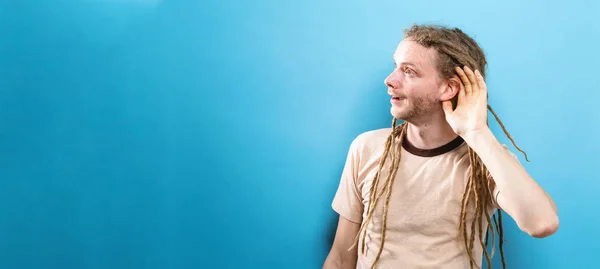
<point>447,106</point>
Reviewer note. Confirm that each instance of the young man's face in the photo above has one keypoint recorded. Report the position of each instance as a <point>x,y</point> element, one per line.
<point>415,84</point>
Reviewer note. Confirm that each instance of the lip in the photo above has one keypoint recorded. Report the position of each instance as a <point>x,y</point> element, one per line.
<point>396,101</point>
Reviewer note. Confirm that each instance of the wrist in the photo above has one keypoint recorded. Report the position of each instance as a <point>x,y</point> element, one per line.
<point>481,139</point>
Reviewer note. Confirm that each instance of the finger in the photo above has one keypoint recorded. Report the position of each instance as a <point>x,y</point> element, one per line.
<point>472,80</point>
<point>461,90</point>
<point>465,80</point>
<point>447,106</point>
<point>480,81</point>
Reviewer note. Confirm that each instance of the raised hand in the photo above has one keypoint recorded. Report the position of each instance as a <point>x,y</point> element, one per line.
<point>470,114</point>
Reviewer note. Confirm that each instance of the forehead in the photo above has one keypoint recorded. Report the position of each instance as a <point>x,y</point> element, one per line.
<point>412,52</point>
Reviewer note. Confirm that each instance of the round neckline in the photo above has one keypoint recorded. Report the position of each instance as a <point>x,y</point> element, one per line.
<point>455,143</point>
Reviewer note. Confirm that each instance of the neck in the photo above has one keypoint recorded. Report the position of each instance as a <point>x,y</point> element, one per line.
<point>429,134</point>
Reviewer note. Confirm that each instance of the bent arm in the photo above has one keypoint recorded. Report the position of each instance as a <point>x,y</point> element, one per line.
<point>517,192</point>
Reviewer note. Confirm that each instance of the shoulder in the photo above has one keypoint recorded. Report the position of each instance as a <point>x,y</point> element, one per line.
<point>370,141</point>
<point>372,137</point>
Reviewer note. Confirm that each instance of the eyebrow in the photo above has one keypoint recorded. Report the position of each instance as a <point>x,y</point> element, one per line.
<point>406,63</point>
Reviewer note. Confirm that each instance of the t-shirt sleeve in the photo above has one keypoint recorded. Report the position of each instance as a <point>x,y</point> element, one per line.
<point>493,186</point>
<point>348,200</point>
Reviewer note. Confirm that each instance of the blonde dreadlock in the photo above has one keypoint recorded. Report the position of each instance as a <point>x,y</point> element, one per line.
<point>454,49</point>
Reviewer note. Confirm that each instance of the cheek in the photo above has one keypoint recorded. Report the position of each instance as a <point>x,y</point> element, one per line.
<point>416,88</point>
<point>423,91</point>
<point>413,87</point>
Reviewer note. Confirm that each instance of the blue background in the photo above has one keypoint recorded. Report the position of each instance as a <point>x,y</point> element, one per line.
<point>211,134</point>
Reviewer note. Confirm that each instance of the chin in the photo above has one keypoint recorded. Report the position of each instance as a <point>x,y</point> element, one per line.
<point>398,113</point>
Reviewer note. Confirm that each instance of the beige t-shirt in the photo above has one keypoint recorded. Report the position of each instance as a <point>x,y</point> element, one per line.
<point>424,209</point>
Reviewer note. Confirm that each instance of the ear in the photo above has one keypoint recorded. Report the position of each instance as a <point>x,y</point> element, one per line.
<point>450,89</point>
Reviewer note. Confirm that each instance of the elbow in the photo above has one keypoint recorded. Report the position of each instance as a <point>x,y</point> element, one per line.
<point>544,228</point>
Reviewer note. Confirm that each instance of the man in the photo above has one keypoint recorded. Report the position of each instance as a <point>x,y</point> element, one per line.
<point>421,194</point>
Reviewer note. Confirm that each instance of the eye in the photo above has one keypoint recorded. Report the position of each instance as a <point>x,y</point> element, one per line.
<point>409,71</point>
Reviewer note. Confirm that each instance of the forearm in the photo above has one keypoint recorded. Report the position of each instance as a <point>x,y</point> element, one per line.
<point>530,206</point>
<point>338,261</point>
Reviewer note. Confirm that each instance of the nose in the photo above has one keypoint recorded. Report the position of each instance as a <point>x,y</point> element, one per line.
<point>393,80</point>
